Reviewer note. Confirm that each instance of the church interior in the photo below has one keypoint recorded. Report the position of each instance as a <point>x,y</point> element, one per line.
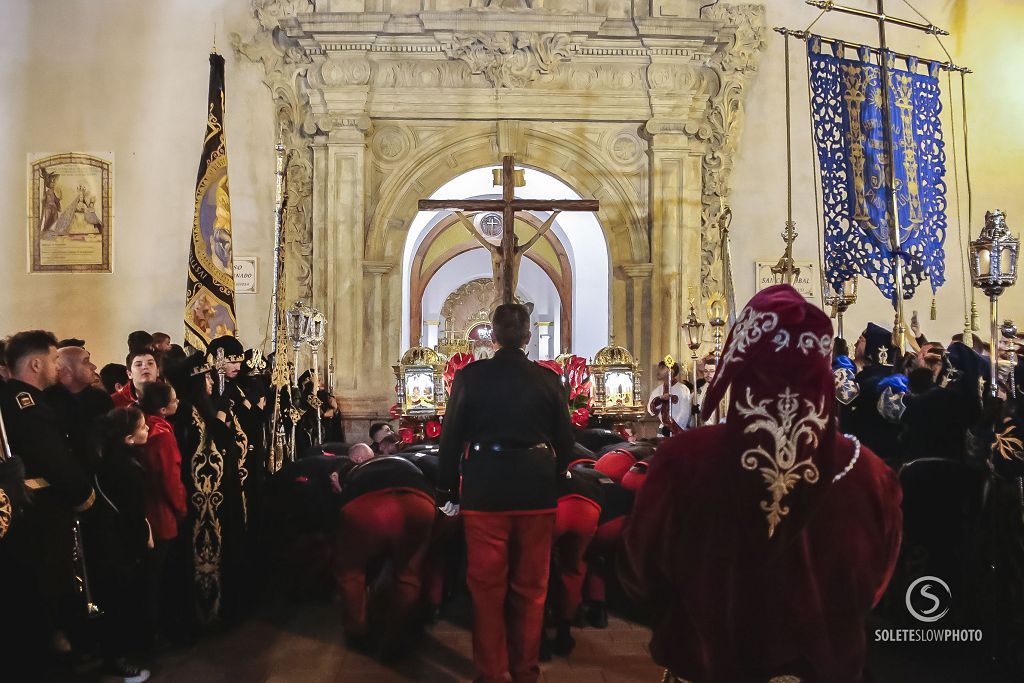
<point>377,181</point>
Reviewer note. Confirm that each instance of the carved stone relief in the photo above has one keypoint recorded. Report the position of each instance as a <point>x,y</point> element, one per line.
<point>736,66</point>
<point>510,59</point>
<point>285,70</point>
<point>391,143</point>
<point>430,74</point>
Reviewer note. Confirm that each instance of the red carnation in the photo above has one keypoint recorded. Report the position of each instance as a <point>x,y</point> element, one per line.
<point>433,429</point>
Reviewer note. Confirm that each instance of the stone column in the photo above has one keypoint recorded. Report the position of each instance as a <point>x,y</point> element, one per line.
<point>638,301</point>
<point>675,234</point>
<point>376,317</point>
<point>339,216</point>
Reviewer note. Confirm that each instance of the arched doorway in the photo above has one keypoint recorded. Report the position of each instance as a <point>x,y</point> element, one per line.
<point>566,275</point>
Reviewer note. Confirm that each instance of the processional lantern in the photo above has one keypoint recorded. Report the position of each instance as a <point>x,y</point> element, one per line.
<point>421,392</point>
<point>296,318</point>
<point>694,338</point>
<point>616,377</point>
<point>716,318</point>
<point>994,268</point>
<point>840,301</point>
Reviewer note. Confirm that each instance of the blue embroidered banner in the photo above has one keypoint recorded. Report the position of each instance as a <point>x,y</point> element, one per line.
<point>846,110</point>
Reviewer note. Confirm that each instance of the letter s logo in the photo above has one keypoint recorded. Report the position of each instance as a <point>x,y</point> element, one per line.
<point>932,613</point>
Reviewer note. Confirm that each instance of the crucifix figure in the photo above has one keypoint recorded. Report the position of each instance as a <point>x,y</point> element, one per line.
<point>507,260</point>
<point>497,256</point>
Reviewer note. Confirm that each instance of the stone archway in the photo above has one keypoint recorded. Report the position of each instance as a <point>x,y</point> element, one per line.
<point>379,103</point>
<point>560,274</point>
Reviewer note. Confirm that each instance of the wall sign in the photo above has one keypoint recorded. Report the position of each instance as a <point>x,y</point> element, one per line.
<point>246,274</point>
<point>805,281</point>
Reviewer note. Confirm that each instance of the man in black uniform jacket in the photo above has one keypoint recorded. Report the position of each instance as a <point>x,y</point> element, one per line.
<point>36,572</point>
<point>508,426</point>
<point>78,403</point>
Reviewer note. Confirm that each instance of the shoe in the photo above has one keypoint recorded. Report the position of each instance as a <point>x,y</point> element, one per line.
<point>117,670</point>
<point>564,643</point>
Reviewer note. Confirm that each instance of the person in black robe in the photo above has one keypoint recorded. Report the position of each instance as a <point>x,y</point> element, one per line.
<point>119,535</point>
<point>937,419</point>
<point>214,530</point>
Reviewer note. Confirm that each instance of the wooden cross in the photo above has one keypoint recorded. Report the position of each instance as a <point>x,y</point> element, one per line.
<point>507,206</point>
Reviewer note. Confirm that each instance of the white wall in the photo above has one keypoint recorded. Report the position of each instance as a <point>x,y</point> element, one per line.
<point>130,78</point>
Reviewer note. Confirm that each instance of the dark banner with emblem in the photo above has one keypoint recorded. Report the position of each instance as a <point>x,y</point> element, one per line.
<point>846,109</point>
<point>210,296</point>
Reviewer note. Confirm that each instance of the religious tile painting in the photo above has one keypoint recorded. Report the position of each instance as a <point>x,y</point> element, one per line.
<point>70,212</point>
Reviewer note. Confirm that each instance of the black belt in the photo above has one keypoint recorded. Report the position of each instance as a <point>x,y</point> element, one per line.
<point>506,447</point>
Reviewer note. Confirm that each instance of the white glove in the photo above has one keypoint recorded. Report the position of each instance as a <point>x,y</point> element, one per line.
<point>450,509</point>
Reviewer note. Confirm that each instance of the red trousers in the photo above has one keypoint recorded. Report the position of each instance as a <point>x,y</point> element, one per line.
<point>575,525</point>
<point>509,556</point>
<point>393,523</point>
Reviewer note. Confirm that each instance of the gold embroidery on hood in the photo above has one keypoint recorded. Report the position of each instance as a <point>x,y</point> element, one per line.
<point>781,471</point>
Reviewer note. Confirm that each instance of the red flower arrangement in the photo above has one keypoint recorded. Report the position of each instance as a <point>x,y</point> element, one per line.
<point>576,376</point>
<point>454,364</point>
<point>407,434</point>
<point>433,429</point>
<point>581,418</point>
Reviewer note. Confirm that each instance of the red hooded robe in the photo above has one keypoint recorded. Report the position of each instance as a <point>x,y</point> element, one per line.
<point>762,544</point>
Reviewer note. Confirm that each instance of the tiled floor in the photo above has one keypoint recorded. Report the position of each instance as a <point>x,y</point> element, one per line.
<point>304,644</point>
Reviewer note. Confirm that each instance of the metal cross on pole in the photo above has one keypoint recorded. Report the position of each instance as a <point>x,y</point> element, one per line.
<point>507,206</point>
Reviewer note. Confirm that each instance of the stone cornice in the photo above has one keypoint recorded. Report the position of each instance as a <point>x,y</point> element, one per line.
<point>464,21</point>
<point>638,270</point>
<point>377,267</point>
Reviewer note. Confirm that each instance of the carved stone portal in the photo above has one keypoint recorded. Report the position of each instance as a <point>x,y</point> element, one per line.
<point>377,109</point>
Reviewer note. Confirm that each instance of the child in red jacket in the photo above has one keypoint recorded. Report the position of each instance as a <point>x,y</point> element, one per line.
<point>165,492</point>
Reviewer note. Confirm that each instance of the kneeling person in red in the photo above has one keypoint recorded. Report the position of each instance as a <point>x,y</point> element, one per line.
<point>387,510</point>
<point>508,428</point>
